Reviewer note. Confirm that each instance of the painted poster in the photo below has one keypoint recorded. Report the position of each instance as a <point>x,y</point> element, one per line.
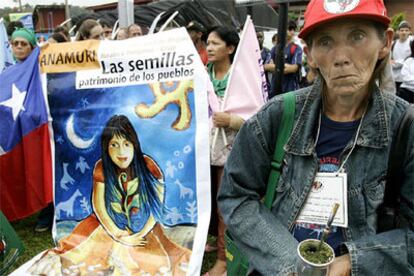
<point>130,127</point>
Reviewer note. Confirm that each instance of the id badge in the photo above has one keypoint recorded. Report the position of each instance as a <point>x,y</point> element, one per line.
<point>327,189</point>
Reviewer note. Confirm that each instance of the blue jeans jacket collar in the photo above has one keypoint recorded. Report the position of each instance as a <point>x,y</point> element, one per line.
<point>374,130</point>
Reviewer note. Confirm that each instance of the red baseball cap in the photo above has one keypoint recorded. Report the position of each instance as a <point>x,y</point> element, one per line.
<point>322,11</point>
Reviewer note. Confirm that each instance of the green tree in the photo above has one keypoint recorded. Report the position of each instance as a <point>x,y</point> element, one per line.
<point>396,20</point>
<point>293,16</point>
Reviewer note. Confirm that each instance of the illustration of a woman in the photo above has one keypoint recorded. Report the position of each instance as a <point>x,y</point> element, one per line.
<point>123,235</point>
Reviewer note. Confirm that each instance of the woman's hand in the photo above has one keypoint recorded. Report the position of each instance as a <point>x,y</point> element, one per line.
<point>221,119</point>
<point>341,266</point>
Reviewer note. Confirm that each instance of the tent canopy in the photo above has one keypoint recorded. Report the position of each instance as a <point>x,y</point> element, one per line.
<point>208,12</point>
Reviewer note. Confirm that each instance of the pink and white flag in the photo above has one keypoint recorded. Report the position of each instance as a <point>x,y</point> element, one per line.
<point>246,90</point>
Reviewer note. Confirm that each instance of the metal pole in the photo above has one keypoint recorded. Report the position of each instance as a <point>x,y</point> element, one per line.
<point>125,12</point>
<point>280,54</point>
<point>20,6</point>
<point>67,13</point>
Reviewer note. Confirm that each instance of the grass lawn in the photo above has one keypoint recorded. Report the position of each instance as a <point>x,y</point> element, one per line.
<point>35,243</point>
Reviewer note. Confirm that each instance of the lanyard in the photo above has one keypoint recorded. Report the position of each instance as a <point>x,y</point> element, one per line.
<point>341,168</point>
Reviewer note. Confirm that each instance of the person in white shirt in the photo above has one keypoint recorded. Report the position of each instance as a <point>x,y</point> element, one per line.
<point>407,77</point>
<point>400,51</point>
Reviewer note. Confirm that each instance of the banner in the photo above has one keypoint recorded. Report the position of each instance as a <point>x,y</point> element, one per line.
<point>6,57</point>
<point>25,149</point>
<point>132,181</point>
<point>25,17</point>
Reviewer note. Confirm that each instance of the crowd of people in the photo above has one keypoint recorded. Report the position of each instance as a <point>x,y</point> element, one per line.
<point>344,124</point>
<point>343,132</point>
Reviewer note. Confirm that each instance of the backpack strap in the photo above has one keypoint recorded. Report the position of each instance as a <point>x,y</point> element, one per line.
<point>293,47</point>
<point>285,129</point>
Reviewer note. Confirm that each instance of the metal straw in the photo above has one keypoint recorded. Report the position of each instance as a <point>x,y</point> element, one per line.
<point>327,229</point>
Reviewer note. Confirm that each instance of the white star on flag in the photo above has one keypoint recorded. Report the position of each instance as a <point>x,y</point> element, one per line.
<point>16,101</point>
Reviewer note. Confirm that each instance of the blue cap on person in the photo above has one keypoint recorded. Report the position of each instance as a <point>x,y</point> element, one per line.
<point>322,11</point>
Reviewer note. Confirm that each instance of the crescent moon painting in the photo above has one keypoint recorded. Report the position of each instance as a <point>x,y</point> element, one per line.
<point>74,138</point>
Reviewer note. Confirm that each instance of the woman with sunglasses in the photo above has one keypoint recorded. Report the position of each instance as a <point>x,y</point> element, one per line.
<point>23,42</point>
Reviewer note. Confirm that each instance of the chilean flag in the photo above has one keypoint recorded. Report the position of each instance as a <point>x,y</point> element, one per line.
<point>25,145</point>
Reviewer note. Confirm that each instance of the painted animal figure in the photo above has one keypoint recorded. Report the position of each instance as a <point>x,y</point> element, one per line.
<point>184,190</point>
<point>174,216</point>
<point>67,206</point>
<point>66,179</point>
<point>82,165</point>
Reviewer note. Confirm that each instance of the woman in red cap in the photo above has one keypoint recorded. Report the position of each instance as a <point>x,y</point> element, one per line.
<point>343,130</point>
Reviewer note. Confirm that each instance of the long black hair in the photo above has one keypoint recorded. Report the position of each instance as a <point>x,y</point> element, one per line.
<point>150,202</point>
<point>230,36</point>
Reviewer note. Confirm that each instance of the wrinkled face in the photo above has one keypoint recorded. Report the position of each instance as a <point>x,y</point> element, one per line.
<point>21,48</point>
<point>107,32</point>
<point>403,33</point>
<point>346,52</point>
<point>135,31</point>
<point>121,151</point>
<point>96,33</point>
<point>217,49</point>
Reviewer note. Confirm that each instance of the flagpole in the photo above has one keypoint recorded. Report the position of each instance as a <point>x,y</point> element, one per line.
<point>223,132</point>
<point>67,11</point>
<point>213,144</point>
<point>171,18</point>
<point>217,129</point>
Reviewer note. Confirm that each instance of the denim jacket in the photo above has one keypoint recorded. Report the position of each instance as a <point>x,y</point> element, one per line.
<point>264,235</point>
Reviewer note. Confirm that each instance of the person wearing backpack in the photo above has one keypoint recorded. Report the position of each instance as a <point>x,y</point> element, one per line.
<point>265,55</point>
<point>338,151</point>
<point>293,63</point>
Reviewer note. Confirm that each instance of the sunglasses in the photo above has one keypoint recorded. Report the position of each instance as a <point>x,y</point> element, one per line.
<point>22,43</point>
